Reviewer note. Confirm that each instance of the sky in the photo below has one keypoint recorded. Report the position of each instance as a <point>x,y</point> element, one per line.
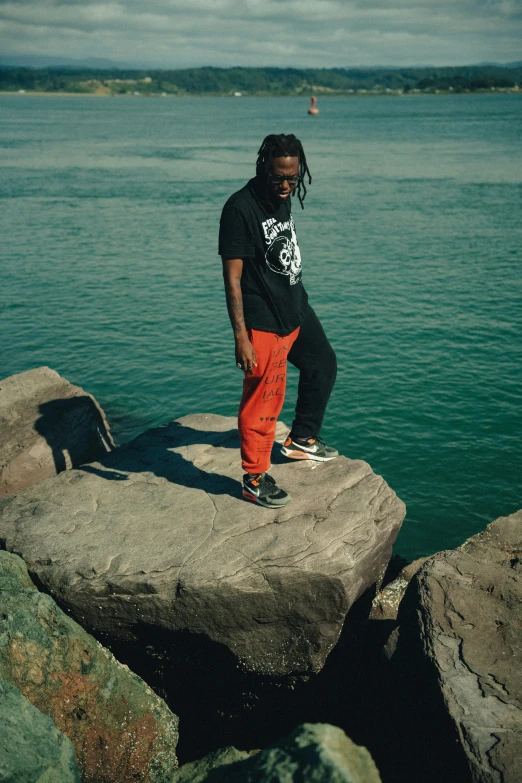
<point>283,33</point>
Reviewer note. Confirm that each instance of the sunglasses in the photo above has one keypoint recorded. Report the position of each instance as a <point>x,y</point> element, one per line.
<point>275,180</point>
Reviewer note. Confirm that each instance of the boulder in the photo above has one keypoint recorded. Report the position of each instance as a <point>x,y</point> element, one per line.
<point>32,750</point>
<point>46,426</point>
<point>315,753</point>
<point>120,729</point>
<point>460,644</point>
<point>158,536</point>
<point>198,771</point>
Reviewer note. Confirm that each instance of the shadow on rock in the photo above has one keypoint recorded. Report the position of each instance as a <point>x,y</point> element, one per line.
<point>219,704</point>
<point>168,452</point>
<point>73,428</point>
<point>47,425</point>
<point>358,690</point>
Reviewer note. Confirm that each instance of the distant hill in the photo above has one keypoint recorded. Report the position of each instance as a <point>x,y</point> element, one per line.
<point>517,64</point>
<point>258,81</point>
<point>51,61</point>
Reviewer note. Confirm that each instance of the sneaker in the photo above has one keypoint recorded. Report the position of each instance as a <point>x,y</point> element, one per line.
<point>311,448</point>
<point>263,490</point>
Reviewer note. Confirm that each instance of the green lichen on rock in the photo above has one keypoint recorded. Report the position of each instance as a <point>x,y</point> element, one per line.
<point>120,729</point>
<point>315,753</point>
<point>32,750</point>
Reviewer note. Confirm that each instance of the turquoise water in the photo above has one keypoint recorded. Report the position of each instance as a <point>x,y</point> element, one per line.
<point>410,240</point>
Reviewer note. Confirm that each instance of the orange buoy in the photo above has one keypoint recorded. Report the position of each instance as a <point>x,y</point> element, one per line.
<point>313,106</point>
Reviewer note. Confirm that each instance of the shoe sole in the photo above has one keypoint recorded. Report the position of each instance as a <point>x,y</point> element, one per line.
<point>304,455</point>
<point>253,499</point>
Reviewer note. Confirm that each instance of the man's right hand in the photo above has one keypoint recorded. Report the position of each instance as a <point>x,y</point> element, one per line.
<point>245,354</point>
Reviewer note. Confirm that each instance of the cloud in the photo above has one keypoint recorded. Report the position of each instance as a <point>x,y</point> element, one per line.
<point>297,33</point>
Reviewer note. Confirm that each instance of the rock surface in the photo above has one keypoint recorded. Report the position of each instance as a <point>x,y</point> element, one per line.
<point>461,642</point>
<point>46,426</point>
<point>158,536</point>
<point>315,753</point>
<point>120,729</point>
<point>198,771</point>
<point>32,750</point>
<point>385,605</point>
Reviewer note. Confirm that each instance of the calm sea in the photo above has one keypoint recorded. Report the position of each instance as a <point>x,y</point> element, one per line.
<point>411,243</point>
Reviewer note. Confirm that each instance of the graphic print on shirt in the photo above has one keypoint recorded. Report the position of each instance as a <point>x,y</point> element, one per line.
<point>282,254</point>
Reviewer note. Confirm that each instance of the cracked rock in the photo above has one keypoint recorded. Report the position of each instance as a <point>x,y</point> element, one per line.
<point>385,605</point>
<point>157,536</point>
<point>460,642</point>
<point>46,426</point>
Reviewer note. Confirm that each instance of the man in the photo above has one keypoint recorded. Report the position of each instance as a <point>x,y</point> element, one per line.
<point>271,318</point>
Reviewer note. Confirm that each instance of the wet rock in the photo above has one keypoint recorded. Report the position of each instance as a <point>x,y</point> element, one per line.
<point>315,753</point>
<point>460,645</point>
<point>32,750</point>
<point>158,537</point>
<point>46,426</point>
<point>120,729</point>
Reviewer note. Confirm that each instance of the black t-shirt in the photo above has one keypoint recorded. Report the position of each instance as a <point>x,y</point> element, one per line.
<point>263,235</point>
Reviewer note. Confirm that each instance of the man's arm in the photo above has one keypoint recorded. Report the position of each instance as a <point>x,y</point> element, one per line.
<point>232,272</point>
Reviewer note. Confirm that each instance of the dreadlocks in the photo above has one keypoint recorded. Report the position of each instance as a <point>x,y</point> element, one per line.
<point>283,146</point>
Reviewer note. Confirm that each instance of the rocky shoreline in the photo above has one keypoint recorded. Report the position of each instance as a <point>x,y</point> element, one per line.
<point>244,622</point>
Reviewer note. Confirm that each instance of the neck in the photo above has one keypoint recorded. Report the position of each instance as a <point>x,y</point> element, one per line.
<point>265,194</point>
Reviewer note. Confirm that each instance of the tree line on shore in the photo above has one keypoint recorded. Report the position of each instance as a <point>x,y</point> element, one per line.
<point>260,81</point>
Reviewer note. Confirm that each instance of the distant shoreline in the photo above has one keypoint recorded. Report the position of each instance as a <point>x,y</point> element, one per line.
<point>322,96</point>
<point>241,82</point>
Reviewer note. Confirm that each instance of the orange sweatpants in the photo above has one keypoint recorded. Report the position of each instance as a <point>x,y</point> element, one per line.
<point>262,400</point>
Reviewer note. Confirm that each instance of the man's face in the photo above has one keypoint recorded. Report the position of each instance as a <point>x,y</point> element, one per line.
<point>283,177</point>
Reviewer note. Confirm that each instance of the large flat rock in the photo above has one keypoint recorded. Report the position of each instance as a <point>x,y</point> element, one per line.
<point>461,642</point>
<point>158,536</point>
<point>46,425</point>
